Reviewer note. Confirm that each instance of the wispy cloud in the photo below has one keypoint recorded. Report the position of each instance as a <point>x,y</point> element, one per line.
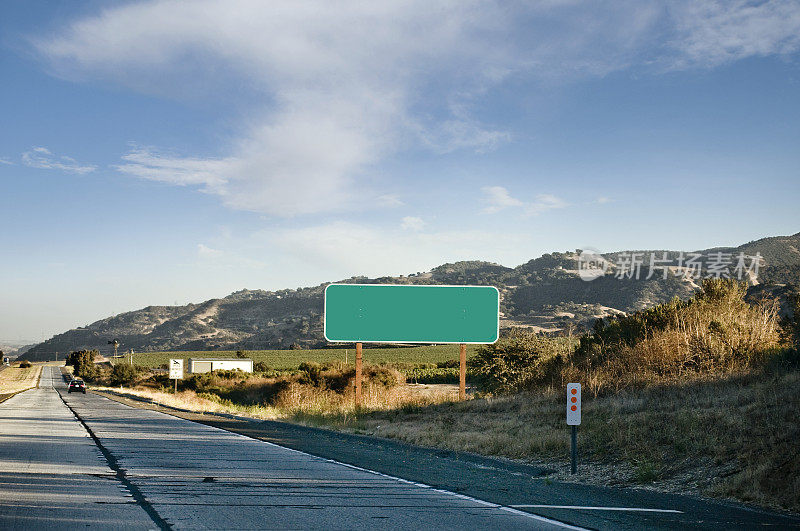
<point>181,171</point>
<point>4,160</point>
<point>412,223</point>
<point>351,84</point>
<point>498,198</point>
<point>712,33</point>
<point>41,157</point>
<point>204,251</point>
<point>332,247</point>
<point>545,202</point>
<point>602,200</point>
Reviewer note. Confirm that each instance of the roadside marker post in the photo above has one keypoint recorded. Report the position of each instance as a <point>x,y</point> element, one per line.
<point>386,313</point>
<point>574,420</point>
<point>176,371</point>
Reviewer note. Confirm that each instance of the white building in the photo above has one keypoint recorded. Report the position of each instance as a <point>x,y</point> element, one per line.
<point>198,365</point>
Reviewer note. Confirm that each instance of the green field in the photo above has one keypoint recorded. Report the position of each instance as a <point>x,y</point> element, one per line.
<point>290,359</point>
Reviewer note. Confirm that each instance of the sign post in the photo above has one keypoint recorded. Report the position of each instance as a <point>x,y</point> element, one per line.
<point>574,420</point>
<point>176,371</point>
<point>358,375</point>
<point>462,372</point>
<point>382,313</point>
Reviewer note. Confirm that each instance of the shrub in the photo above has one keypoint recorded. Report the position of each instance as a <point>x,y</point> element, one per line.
<point>124,374</point>
<point>433,376</point>
<point>516,361</point>
<point>25,364</point>
<point>262,367</point>
<point>83,363</point>
<point>716,332</point>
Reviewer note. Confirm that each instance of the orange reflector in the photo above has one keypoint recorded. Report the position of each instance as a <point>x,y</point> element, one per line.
<point>574,408</point>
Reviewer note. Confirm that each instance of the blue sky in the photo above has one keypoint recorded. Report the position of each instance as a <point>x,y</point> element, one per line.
<point>163,152</point>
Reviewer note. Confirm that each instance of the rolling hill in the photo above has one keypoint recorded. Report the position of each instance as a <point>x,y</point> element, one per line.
<point>545,293</point>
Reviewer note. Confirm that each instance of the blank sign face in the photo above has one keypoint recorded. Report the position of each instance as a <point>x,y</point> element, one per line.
<point>574,404</point>
<point>380,313</point>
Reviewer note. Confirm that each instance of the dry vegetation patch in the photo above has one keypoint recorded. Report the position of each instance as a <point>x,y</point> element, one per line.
<point>15,378</point>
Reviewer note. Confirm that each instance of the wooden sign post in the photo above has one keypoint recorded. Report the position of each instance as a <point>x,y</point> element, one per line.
<point>358,375</point>
<point>462,372</point>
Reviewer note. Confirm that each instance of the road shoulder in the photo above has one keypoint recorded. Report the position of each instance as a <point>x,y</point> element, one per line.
<point>502,481</point>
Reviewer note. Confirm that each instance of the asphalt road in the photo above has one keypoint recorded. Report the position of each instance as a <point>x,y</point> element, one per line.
<point>114,466</point>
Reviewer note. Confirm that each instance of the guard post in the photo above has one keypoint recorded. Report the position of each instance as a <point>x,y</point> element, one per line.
<point>574,420</point>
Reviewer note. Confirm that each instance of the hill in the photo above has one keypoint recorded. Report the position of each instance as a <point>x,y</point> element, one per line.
<point>545,294</point>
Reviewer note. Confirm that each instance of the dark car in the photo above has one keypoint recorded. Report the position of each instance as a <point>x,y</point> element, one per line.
<point>77,385</point>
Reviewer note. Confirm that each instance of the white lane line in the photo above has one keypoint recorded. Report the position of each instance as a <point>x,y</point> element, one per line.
<point>510,509</point>
<point>579,507</point>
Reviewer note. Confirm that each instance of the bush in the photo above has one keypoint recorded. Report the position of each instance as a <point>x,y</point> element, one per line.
<point>261,366</point>
<point>433,376</point>
<point>124,374</point>
<point>717,332</point>
<point>516,361</point>
<point>25,364</point>
<point>83,363</point>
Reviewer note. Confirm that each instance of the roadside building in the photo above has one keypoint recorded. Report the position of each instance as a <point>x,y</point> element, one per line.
<point>200,365</point>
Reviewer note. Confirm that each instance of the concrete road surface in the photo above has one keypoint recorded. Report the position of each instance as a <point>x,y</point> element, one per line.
<point>119,467</point>
<point>75,460</point>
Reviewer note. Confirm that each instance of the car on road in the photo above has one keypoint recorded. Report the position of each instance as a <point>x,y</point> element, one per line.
<point>77,385</point>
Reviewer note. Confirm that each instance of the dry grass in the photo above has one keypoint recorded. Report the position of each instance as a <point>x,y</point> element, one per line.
<point>716,333</point>
<point>192,401</point>
<point>299,402</point>
<point>14,379</point>
<point>736,437</point>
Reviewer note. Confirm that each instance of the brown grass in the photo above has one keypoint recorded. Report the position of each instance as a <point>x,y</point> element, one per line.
<point>716,333</point>
<point>736,437</point>
<point>14,379</point>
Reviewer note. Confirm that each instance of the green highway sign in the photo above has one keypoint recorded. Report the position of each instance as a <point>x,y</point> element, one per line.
<point>380,313</point>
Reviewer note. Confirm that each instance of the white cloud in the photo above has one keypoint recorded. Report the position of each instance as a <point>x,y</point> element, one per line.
<point>339,248</point>
<point>203,251</point>
<point>713,33</point>
<point>343,80</point>
<point>498,199</point>
<point>389,200</point>
<point>412,223</point>
<point>545,202</point>
<point>181,171</point>
<point>4,160</point>
<point>41,157</point>
<point>347,84</point>
<point>602,200</point>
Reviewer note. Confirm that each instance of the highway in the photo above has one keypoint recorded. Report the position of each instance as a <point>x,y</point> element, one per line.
<point>75,460</point>
<point>120,467</point>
